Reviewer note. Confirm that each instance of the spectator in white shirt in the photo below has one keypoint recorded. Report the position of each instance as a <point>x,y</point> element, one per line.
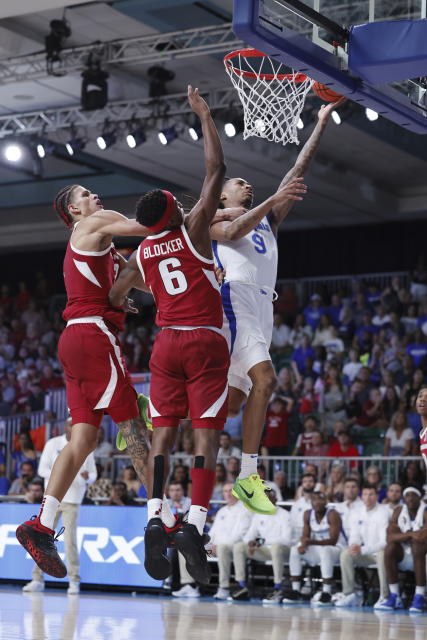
<point>230,525</point>
<point>281,334</point>
<point>352,368</point>
<point>367,540</point>
<point>268,538</point>
<point>180,504</point>
<point>226,448</point>
<point>104,449</point>
<point>308,483</point>
<point>399,437</point>
<point>393,498</point>
<point>350,505</point>
<point>380,318</point>
<point>68,509</point>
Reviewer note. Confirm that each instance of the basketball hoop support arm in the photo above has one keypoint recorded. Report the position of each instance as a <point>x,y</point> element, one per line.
<point>340,34</point>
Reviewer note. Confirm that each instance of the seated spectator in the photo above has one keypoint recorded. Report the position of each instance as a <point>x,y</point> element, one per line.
<point>417,349</point>
<point>346,326</point>
<point>365,328</point>
<point>26,453</point>
<point>381,318</point>
<point>367,541</point>
<point>399,437</point>
<point>335,483</point>
<point>104,449</point>
<point>332,401</point>
<point>309,399</point>
<point>320,545</point>
<point>373,477</point>
<point>323,332</point>
<point>334,346</point>
<point>350,505</point>
<point>313,311</point>
<point>233,468</point>
<point>412,475</point>
<point>226,448</point>
<point>335,309</point>
<point>119,496</point>
<point>316,448</point>
<point>273,486</point>
<point>353,366</point>
<point>373,412</point>
<point>299,330</point>
<point>101,487</point>
<point>390,403</point>
<point>276,438</point>
<point>220,480</point>
<point>280,481</point>
<point>178,502</point>
<point>268,538</point>
<point>34,492</point>
<point>230,525</point>
<point>301,354</point>
<point>131,481</point>
<point>281,334</point>
<point>186,449</point>
<point>410,319</point>
<point>301,504</point>
<point>36,398</point>
<point>49,380</point>
<point>312,470</point>
<point>339,426</point>
<point>412,388</point>
<point>20,484</point>
<point>180,474</point>
<point>393,497</point>
<point>343,448</point>
<point>304,439</point>
<point>406,551</point>
<point>393,355</point>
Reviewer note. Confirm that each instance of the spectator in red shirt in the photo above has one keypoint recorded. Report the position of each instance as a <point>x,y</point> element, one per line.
<point>304,438</point>
<point>373,411</point>
<point>344,449</point>
<point>49,380</point>
<point>275,438</point>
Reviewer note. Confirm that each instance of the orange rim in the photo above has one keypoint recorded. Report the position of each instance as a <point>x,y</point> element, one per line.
<point>254,53</point>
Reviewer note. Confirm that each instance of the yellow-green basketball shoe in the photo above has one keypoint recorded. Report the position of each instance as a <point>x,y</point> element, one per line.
<point>142,402</point>
<point>251,491</point>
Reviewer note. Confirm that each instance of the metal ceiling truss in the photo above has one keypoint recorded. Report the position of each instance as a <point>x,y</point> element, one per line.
<point>148,49</point>
<point>145,109</point>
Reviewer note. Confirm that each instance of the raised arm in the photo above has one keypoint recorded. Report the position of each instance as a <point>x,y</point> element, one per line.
<point>229,230</point>
<point>129,278</point>
<point>304,159</point>
<point>204,211</point>
<point>113,223</point>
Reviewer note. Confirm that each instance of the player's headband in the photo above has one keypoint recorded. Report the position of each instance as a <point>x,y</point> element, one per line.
<point>412,490</point>
<point>166,215</point>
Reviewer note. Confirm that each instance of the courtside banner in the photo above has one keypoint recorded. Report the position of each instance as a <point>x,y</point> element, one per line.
<point>110,542</point>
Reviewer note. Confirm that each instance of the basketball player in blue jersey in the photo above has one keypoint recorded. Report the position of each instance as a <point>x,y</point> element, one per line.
<point>245,246</point>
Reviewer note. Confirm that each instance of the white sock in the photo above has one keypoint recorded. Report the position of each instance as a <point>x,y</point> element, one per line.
<point>48,511</point>
<point>394,588</point>
<point>296,585</point>
<point>249,465</point>
<point>420,591</point>
<point>197,516</point>
<point>168,518</point>
<point>154,507</point>
<point>327,588</point>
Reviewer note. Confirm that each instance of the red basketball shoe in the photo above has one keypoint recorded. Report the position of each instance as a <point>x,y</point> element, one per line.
<point>39,541</point>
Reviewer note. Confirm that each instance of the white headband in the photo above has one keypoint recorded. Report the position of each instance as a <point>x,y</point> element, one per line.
<point>412,490</point>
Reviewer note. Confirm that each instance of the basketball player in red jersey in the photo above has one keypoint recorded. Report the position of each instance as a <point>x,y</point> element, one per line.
<point>96,377</point>
<point>421,405</point>
<point>190,359</point>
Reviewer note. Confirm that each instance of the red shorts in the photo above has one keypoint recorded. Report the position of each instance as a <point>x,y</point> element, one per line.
<point>96,376</point>
<point>189,377</point>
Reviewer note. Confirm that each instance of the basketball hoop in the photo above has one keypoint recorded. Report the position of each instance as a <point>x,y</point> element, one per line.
<point>272,100</point>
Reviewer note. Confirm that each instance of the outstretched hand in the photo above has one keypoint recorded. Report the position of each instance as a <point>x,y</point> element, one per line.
<point>326,109</point>
<point>293,190</point>
<point>197,103</point>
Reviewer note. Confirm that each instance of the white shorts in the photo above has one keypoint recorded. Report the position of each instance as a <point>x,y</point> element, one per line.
<point>248,328</point>
<point>407,564</point>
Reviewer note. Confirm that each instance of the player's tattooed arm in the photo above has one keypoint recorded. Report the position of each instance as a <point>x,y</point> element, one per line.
<point>137,445</point>
<point>304,159</point>
<point>227,231</point>
<point>129,278</point>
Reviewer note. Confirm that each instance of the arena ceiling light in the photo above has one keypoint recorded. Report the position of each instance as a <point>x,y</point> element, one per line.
<point>136,137</point>
<point>371,114</point>
<point>75,145</point>
<point>233,127</point>
<point>195,131</point>
<point>336,117</point>
<point>167,135</point>
<point>13,152</point>
<point>108,136</point>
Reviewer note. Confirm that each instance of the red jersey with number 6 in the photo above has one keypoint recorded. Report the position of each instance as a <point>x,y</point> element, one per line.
<point>89,276</point>
<point>181,280</point>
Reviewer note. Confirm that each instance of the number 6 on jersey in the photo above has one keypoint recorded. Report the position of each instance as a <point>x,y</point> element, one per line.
<point>174,281</point>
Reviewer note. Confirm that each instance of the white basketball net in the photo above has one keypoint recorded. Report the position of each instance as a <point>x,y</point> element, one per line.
<point>272,99</point>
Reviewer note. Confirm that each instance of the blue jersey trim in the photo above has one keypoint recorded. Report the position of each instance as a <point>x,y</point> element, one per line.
<point>215,251</point>
<point>229,313</point>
